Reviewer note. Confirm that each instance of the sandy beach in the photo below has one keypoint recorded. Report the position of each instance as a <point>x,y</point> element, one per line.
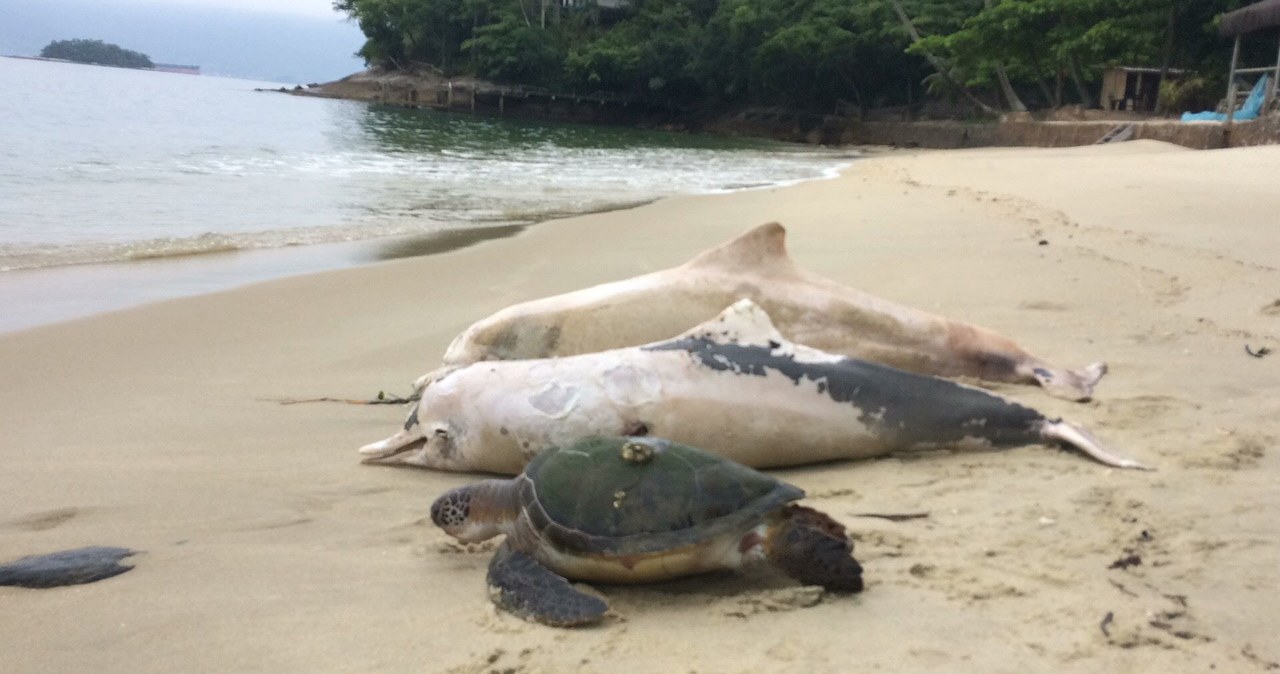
<point>266,546</point>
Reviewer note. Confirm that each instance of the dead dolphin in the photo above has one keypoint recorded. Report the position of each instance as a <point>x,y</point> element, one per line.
<point>733,386</point>
<point>806,307</point>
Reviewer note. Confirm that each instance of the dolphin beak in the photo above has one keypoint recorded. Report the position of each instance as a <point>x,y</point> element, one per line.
<point>400,448</point>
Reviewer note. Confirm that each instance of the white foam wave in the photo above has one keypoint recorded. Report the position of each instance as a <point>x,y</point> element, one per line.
<point>393,224</point>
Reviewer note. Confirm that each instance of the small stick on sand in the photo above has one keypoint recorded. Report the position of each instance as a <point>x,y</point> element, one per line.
<point>382,399</point>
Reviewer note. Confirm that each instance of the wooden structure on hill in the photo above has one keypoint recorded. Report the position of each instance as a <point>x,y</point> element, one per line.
<point>1135,89</point>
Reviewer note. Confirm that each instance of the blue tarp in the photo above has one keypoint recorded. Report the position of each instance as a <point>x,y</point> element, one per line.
<point>1250,110</point>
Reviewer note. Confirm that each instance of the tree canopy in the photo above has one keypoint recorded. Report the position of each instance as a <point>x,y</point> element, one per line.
<point>804,54</point>
<point>95,51</point>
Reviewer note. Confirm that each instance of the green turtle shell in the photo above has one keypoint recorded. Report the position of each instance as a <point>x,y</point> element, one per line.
<point>588,498</point>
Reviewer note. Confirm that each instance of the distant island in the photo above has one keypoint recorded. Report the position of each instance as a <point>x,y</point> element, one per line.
<point>96,52</point>
<point>99,53</point>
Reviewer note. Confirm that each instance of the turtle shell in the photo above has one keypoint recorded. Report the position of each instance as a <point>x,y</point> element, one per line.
<point>618,495</point>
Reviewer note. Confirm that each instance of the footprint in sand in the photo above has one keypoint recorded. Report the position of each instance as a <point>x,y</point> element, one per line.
<point>774,601</point>
<point>46,520</point>
<point>1230,451</point>
<point>1044,305</point>
<point>1141,410</point>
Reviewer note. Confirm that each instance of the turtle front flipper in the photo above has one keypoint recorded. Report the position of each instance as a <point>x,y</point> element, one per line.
<point>521,585</point>
<point>813,548</point>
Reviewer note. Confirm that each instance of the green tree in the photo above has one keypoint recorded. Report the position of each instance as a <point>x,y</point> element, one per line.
<point>1044,42</point>
<point>95,51</point>
<point>799,54</point>
<point>401,32</point>
<point>512,50</point>
<point>807,62</point>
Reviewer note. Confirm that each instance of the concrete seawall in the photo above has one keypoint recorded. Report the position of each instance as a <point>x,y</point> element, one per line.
<point>833,130</point>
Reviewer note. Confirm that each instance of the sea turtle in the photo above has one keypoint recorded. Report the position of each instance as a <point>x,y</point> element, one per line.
<point>635,510</point>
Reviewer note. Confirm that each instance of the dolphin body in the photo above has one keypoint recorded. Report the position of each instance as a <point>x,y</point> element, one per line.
<point>733,386</point>
<point>806,307</point>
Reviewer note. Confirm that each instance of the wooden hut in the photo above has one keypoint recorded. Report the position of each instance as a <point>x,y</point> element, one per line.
<point>1136,89</point>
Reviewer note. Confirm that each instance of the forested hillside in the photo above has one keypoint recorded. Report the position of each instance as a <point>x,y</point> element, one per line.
<point>804,54</point>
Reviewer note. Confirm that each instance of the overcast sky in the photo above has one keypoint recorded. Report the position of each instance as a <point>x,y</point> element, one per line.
<point>286,41</point>
<point>304,7</point>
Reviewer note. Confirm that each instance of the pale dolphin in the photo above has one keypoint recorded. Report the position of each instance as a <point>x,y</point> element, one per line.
<point>806,307</point>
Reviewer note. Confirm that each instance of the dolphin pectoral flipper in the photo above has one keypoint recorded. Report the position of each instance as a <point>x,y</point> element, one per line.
<point>1072,435</point>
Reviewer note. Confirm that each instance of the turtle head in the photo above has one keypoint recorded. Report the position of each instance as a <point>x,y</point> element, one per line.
<point>477,511</point>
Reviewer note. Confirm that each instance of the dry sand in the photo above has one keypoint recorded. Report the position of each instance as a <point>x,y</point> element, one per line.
<point>269,548</point>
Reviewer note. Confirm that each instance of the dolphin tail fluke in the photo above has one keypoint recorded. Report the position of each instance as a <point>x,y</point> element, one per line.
<point>1076,385</point>
<point>1072,435</point>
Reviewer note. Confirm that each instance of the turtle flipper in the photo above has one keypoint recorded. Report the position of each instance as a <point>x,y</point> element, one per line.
<point>519,584</point>
<point>813,548</point>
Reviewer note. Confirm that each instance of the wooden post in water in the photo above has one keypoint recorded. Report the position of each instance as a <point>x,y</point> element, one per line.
<point>502,103</point>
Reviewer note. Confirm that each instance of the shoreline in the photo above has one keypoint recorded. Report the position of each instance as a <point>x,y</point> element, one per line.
<point>50,295</point>
<point>268,547</point>
<point>1067,127</point>
<point>43,295</point>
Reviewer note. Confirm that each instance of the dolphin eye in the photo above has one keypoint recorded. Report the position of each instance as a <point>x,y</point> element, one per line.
<point>442,443</point>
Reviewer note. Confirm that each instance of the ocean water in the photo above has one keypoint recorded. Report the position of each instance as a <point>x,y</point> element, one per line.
<point>113,182</point>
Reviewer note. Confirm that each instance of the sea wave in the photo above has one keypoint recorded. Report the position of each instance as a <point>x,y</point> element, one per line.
<point>394,220</point>
<point>14,257</point>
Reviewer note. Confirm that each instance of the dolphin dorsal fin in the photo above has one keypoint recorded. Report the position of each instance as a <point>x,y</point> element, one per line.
<point>760,246</point>
<point>744,322</point>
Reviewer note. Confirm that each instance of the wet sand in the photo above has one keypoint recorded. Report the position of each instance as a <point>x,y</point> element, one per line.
<point>267,547</point>
<point>40,296</point>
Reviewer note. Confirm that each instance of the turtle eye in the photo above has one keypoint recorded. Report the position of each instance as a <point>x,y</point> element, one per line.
<point>442,432</point>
